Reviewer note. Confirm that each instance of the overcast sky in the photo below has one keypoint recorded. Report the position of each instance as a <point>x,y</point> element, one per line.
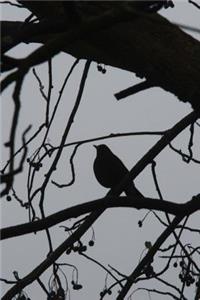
<point>99,114</point>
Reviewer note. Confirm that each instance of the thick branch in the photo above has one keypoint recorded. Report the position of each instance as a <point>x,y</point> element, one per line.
<point>171,58</point>
<point>104,203</point>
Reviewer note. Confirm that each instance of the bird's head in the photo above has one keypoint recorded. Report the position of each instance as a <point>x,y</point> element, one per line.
<point>101,148</point>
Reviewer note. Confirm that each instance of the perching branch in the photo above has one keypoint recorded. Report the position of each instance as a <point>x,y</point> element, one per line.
<point>108,202</point>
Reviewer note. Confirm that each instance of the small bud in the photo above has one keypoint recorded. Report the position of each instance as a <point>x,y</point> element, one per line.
<point>82,249</point>
<point>148,244</point>
<point>77,286</point>
<point>68,251</point>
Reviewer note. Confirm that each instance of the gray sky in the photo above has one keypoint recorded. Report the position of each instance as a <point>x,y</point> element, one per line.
<point>99,114</point>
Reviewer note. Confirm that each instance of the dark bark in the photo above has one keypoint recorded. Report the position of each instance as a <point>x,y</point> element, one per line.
<point>147,44</point>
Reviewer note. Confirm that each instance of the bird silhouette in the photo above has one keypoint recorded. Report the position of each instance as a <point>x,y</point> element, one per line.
<point>109,170</point>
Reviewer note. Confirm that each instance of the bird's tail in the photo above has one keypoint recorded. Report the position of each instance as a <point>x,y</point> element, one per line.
<point>132,191</point>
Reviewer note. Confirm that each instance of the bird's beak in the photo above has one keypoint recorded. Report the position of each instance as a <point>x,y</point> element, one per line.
<point>95,146</point>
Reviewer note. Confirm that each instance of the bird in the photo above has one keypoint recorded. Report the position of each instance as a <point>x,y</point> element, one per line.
<point>109,170</point>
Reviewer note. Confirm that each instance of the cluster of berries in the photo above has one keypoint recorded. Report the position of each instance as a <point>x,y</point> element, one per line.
<point>101,68</point>
<point>80,248</point>
<point>104,292</point>
<point>35,165</point>
<point>149,271</point>
<point>55,295</point>
<point>185,275</point>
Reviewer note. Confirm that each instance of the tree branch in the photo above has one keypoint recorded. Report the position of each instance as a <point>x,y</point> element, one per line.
<point>103,203</point>
<point>120,43</point>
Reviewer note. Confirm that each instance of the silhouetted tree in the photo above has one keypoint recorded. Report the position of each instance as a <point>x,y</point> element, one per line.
<point>132,36</point>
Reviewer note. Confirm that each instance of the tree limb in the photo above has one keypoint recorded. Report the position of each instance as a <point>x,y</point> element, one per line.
<point>171,58</point>
<point>104,203</point>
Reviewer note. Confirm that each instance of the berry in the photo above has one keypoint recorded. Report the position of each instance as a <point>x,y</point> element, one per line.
<point>99,68</point>
<point>91,243</point>
<point>181,263</point>
<point>75,248</point>
<point>8,198</point>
